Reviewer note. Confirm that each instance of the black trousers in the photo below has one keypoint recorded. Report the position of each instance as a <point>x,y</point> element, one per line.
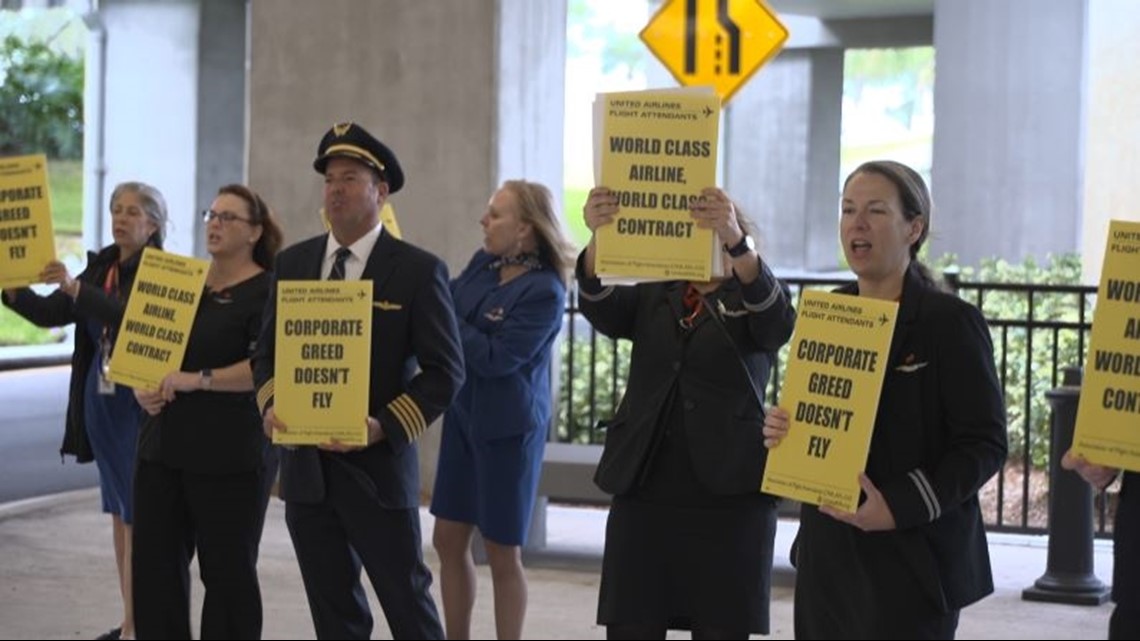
<point>1124,623</point>
<point>218,516</point>
<point>349,530</point>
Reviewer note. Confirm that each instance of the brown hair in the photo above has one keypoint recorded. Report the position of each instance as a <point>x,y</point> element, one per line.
<point>259,214</point>
<point>916,203</point>
<point>536,206</point>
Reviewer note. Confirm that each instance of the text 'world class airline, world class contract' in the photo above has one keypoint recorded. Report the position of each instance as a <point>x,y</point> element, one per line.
<point>1108,416</point>
<point>656,150</point>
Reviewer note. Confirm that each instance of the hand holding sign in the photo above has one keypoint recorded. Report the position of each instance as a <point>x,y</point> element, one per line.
<point>56,273</point>
<point>874,515</point>
<point>375,435</point>
<point>775,427</point>
<point>714,210</point>
<point>1095,475</point>
<point>600,209</point>
<point>151,402</point>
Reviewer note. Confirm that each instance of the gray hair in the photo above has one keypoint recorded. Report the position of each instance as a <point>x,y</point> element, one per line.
<point>152,203</point>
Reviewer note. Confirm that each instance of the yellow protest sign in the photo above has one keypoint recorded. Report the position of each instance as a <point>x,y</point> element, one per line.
<point>322,369</point>
<point>1108,417</point>
<point>156,324</point>
<point>27,242</point>
<point>387,219</point>
<point>657,150</point>
<point>831,392</point>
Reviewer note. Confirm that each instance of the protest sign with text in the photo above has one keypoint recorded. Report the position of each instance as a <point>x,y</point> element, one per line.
<point>27,242</point>
<point>1108,417</point>
<point>656,150</point>
<point>157,322</point>
<point>322,368</point>
<point>836,364</point>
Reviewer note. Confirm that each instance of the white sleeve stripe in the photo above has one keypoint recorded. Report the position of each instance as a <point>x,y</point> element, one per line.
<point>593,298</point>
<point>768,302</point>
<point>933,507</point>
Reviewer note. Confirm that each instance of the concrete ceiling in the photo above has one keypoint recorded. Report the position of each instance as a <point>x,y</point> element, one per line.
<point>849,9</point>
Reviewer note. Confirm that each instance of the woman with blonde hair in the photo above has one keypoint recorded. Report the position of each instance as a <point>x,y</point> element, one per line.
<point>509,303</point>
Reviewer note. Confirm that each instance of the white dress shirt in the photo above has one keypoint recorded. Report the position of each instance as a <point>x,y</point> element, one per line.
<point>361,250</point>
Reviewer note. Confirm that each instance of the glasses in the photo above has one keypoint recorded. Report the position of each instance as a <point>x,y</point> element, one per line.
<point>225,216</point>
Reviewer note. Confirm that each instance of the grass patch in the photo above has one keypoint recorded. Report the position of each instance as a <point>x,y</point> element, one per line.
<point>14,330</point>
<point>65,182</point>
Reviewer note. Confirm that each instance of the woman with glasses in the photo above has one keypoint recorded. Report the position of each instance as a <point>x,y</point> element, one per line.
<point>202,480</point>
<point>102,417</point>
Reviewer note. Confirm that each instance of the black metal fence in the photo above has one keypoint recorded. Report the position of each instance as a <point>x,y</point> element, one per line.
<point>1036,329</point>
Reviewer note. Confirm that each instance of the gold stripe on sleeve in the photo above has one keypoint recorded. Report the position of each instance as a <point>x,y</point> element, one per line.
<point>264,395</point>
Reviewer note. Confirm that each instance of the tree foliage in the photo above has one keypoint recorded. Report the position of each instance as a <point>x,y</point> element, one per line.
<point>41,100</point>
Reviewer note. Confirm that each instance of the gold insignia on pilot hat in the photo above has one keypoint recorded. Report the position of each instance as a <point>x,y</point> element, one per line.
<point>340,128</point>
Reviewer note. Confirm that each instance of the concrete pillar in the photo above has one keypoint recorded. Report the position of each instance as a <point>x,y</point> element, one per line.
<point>781,157</point>
<point>144,123</point>
<point>465,93</point>
<point>220,103</point>
<point>1008,127</point>
<point>1112,126</point>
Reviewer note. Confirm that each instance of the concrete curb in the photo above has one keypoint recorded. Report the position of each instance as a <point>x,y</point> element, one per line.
<point>31,356</point>
<point>24,507</point>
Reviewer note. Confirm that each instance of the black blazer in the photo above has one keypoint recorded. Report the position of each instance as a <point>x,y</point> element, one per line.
<point>723,417</point>
<point>413,325</point>
<point>940,434</point>
<point>58,309</point>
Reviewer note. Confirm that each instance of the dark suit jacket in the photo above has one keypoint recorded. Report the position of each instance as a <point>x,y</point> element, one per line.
<point>413,324</point>
<point>723,418</point>
<point>939,435</point>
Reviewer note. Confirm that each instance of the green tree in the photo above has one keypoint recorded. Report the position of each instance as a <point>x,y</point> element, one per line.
<point>41,100</point>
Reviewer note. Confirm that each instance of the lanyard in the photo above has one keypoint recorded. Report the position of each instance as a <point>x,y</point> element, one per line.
<point>111,288</point>
<point>694,302</point>
<point>111,282</point>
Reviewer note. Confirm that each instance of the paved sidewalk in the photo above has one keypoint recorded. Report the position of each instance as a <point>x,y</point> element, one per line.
<point>57,581</point>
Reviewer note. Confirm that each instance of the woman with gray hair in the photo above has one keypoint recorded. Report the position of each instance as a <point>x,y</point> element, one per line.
<point>102,418</point>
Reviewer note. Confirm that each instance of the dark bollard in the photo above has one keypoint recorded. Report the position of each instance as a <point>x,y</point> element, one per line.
<point>1069,576</point>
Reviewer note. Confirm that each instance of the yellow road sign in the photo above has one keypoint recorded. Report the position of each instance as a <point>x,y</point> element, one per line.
<point>718,43</point>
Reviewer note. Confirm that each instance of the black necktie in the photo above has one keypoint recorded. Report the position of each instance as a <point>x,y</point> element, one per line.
<point>337,272</point>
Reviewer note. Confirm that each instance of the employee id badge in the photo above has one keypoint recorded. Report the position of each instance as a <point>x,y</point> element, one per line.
<point>106,385</point>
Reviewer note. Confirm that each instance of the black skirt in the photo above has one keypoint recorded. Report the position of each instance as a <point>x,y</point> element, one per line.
<point>678,555</point>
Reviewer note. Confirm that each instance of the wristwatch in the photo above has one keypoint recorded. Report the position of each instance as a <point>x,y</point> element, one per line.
<point>741,248</point>
<point>206,377</point>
